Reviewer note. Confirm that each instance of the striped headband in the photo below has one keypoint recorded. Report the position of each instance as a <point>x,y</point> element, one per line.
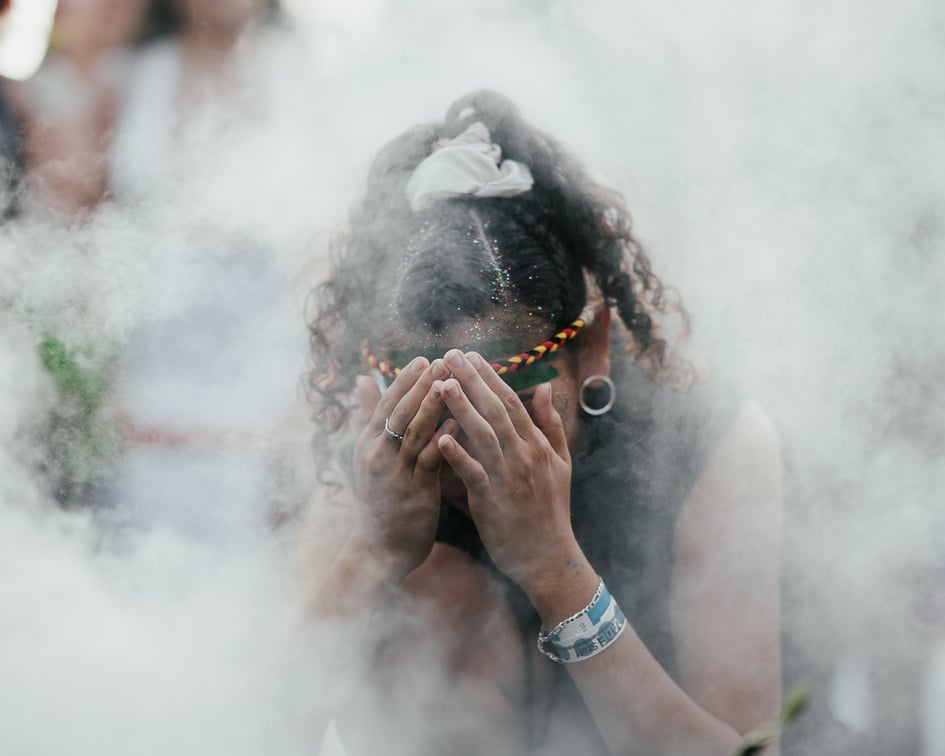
<point>509,365</point>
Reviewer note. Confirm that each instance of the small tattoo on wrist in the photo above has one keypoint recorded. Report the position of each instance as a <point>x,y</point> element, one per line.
<point>575,565</point>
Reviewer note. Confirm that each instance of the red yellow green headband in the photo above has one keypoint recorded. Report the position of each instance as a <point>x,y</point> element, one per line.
<point>503,367</point>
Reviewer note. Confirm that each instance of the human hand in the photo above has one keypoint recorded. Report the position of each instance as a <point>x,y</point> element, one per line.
<point>516,468</point>
<point>397,483</point>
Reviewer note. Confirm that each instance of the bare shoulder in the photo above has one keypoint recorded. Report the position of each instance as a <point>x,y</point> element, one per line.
<point>741,480</point>
<point>732,516</point>
<point>726,569</point>
<point>751,442</point>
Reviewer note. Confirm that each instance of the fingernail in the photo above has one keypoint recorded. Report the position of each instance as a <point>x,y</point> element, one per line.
<point>417,363</point>
<point>476,361</point>
<point>451,388</point>
<point>439,369</point>
<point>447,442</point>
<point>454,358</point>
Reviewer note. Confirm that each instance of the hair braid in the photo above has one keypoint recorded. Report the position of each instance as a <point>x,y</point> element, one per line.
<point>591,222</point>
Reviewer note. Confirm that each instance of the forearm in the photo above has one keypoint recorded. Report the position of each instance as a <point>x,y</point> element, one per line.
<point>635,703</point>
<point>358,581</point>
<point>637,706</point>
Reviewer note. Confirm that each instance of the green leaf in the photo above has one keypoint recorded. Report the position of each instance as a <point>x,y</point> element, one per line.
<point>86,385</point>
<point>794,706</point>
<point>80,435</point>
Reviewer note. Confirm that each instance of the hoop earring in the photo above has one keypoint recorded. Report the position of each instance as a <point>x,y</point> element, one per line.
<point>606,380</point>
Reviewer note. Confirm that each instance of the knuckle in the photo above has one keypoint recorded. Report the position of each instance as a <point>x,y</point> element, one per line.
<point>541,454</point>
<point>488,440</point>
<point>427,462</point>
<point>411,435</point>
<point>477,478</point>
<point>376,466</point>
<point>495,413</point>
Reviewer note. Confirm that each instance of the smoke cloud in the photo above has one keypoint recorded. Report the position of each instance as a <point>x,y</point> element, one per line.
<point>781,162</point>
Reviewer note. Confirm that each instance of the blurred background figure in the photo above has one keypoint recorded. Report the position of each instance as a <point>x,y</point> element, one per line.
<point>24,37</point>
<point>176,423</point>
<point>204,392</point>
<point>108,113</point>
<point>204,399</point>
<point>188,87</point>
<point>68,109</point>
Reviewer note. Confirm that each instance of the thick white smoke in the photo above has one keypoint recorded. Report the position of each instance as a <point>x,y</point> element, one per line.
<point>781,161</point>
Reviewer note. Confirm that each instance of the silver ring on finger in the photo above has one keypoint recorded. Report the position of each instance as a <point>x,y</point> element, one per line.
<point>395,437</point>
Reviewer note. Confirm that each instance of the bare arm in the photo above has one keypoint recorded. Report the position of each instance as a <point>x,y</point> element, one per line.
<point>725,603</point>
<point>725,615</point>
<point>730,671</point>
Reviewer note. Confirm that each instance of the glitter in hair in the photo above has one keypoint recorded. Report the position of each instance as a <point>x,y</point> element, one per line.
<point>497,272</point>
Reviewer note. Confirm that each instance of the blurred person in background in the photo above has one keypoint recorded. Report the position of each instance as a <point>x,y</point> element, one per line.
<point>11,159</point>
<point>24,36</point>
<point>188,88</point>
<point>67,111</point>
<point>203,390</point>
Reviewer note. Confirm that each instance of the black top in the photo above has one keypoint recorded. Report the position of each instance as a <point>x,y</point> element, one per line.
<point>631,474</point>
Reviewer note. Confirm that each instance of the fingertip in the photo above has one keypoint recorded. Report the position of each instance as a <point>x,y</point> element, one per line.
<point>450,387</point>
<point>446,443</point>
<point>439,369</point>
<point>417,364</point>
<point>449,427</point>
<point>476,360</point>
<point>544,408</point>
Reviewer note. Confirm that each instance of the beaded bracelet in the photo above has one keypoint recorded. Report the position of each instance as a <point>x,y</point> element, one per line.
<point>586,633</point>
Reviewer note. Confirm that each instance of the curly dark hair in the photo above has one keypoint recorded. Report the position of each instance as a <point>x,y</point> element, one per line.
<point>435,267</point>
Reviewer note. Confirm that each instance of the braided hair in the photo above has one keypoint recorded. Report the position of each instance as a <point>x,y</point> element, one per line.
<point>426,270</point>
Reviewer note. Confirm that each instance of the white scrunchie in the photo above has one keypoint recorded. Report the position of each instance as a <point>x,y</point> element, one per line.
<point>469,165</point>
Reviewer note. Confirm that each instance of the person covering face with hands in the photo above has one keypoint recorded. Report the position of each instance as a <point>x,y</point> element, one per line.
<point>539,482</point>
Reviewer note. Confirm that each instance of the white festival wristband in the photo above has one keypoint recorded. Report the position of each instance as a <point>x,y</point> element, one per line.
<point>586,633</point>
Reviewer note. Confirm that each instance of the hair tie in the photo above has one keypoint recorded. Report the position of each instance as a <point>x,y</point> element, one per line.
<point>469,165</point>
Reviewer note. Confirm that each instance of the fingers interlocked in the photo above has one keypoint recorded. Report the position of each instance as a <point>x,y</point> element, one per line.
<point>489,411</point>
<point>407,413</point>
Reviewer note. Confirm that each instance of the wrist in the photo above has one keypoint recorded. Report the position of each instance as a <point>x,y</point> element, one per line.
<point>564,585</point>
<point>371,556</point>
<point>356,581</point>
